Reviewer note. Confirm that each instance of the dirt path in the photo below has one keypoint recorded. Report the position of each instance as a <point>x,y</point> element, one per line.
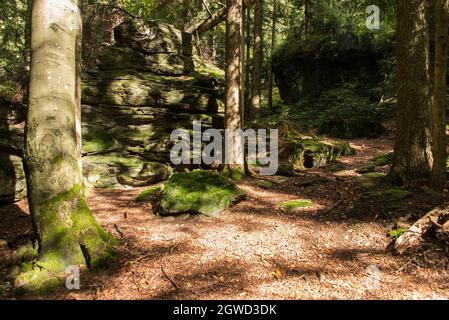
<point>256,250</point>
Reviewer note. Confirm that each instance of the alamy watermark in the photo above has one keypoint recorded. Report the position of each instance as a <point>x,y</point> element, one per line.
<point>373,19</point>
<point>72,280</point>
<point>373,278</point>
<point>262,147</point>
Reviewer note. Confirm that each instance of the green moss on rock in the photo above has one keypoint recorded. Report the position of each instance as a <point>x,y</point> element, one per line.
<point>203,192</point>
<point>306,153</point>
<point>148,194</point>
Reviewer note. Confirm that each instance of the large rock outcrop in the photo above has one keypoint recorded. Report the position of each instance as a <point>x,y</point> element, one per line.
<point>141,89</point>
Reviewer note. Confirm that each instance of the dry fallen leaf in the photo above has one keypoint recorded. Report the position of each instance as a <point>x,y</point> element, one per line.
<point>277,274</point>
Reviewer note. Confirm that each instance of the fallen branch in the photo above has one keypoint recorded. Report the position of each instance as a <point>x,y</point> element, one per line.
<point>413,236</point>
<point>169,278</point>
<point>209,23</point>
<point>335,205</point>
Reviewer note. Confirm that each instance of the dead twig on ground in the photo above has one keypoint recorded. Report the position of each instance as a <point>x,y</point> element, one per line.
<point>118,229</point>
<point>169,278</point>
<point>334,206</point>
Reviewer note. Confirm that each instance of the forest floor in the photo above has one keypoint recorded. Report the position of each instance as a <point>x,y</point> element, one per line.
<point>257,250</point>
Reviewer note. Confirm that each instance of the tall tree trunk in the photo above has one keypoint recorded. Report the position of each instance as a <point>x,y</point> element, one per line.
<point>273,45</point>
<point>306,17</point>
<point>67,232</point>
<point>438,176</point>
<point>243,67</point>
<point>234,55</point>
<point>248,65</point>
<point>413,156</point>
<point>258,59</point>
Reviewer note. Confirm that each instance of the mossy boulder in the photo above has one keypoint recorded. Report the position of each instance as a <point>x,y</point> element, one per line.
<point>307,153</point>
<point>198,192</point>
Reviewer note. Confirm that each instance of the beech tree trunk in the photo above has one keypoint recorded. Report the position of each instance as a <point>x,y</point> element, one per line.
<point>438,176</point>
<point>256,93</point>
<point>413,154</point>
<point>234,57</point>
<point>67,232</point>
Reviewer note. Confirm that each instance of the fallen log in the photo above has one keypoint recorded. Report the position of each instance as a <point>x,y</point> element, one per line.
<point>413,236</point>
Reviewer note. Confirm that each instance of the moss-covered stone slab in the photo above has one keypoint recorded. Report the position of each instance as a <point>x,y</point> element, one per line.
<point>198,192</point>
<point>113,170</point>
<point>295,205</point>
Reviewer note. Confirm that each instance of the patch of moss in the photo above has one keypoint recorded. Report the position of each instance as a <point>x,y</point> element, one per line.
<point>267,184</point>
<point>203,192</point>
<point>148,194</point>
<point>390,194</point>
<point>292,205</point>
<point>396,232</point>
<point>371,180</point>
<point>25,253</point>
<point>383,159</point>
<point>98,142</point>
<point>235,174</point>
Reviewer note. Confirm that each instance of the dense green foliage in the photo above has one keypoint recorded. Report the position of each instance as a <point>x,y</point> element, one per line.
<point>14,49</point>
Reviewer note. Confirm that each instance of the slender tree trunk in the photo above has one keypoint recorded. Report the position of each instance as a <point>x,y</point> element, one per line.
<point>67,232</point>
<point>243,67</point>
<point>438,176</point>
<point>256,93</point>
<point>273,46</point>
<point>248,65</point>
<point>307,14</point>
<point>413,156</point>
<point>234,55</point>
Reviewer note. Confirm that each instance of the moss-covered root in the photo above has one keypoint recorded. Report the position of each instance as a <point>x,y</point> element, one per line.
<point>69,236</point>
